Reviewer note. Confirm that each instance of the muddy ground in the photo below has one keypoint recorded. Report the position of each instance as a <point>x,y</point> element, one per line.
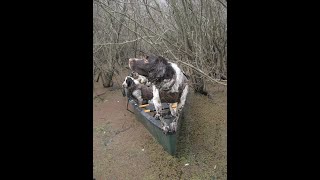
<point>124,149</point>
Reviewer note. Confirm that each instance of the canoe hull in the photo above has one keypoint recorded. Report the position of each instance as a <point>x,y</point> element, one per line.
<point>168,141</point>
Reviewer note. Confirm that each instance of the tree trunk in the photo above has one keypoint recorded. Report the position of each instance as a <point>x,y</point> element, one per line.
<point>107,78</point>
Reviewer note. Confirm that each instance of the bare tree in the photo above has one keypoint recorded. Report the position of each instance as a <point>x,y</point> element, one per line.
<point>192,33</point>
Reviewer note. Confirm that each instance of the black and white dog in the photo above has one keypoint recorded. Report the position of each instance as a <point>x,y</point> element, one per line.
<point>137,88</point>
<point>139,78</point>
<point>164,76</point>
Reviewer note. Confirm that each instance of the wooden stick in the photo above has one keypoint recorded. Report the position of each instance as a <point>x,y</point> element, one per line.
<point>144,105</point>
<point>174,105</point>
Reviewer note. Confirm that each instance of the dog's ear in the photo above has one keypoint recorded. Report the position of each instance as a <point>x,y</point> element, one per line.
<point>129,82</point>
<point>160,69</point>
<point>162,60</point>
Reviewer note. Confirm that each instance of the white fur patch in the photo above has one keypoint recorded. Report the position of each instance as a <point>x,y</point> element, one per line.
<point>124,84</point>
<point>137,92</point>
<point>142,79</point>
<point>172,110</point>
<point>156,99</point>
<point>183,98</point>
<point>179,77</point>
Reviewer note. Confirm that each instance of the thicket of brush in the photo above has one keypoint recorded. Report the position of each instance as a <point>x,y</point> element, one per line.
<point>192,33</point>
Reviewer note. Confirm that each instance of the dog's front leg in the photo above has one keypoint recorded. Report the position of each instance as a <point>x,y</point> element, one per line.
<point>157,104</point>
<point>156,101</point>
<point>167,85</point>
<point>183,98</point>
<point>137,95</point>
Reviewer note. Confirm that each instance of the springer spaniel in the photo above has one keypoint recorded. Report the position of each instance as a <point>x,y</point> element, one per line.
<point>133,88</point>
<point>137,89</point>
<point>141,79</point>
<point>165,76</point>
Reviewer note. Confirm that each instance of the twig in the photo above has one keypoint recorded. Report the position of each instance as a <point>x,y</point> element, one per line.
<point>122,130</point>
<point>105,44</point>
<point>98,96</point>
<point>141,29</point>
<point>200,71</point>
<point>222,4</point>
<point>97,49</point>
<point>126,25</point>
<point>138,4</point>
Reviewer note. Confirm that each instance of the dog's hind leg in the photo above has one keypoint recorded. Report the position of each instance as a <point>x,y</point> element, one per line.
<point>183,98</point>
<point>158,107</point>
<point>174,124</point>
<point>165,127</point>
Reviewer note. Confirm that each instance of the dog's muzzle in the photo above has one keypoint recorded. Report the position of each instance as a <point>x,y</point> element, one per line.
<point>131,62</point>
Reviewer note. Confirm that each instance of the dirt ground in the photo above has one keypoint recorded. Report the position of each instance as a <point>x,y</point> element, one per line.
<point>124,149</point>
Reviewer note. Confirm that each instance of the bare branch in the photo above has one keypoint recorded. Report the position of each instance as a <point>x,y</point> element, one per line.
<point>138,4</point>
<point>191,33</point>
<point>105,44</point>
<point>127,26</point>
<point>222,3</point>
<point>200,71</point>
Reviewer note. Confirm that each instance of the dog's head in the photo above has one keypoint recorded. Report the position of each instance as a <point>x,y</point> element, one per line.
<point>128,82</point>
<point>155,68</point>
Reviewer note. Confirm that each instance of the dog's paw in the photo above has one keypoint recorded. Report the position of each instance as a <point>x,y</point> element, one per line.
<point>165,129</point>
<point>157,116</point>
